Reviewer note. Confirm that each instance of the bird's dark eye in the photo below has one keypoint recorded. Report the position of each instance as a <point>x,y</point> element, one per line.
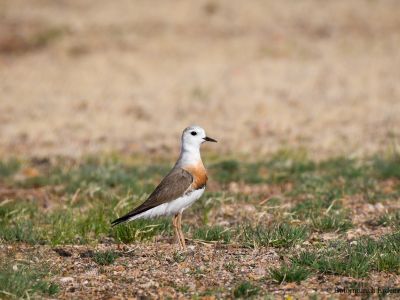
<point>193,133</point>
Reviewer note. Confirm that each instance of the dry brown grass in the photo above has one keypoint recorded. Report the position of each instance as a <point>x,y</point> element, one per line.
<point>90,76</point>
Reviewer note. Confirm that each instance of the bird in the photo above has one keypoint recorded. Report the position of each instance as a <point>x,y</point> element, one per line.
<point>180,188</point>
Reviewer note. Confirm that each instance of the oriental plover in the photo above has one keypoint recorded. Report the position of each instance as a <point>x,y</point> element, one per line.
<point>182,186</point>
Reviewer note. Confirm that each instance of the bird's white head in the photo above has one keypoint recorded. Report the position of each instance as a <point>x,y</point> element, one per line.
<point>192,138</point>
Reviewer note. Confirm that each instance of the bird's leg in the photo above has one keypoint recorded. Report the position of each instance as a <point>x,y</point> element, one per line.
<point>175,223</point>
<point>182,238</point>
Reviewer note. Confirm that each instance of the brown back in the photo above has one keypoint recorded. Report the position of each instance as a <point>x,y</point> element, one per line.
<point>173,186</point>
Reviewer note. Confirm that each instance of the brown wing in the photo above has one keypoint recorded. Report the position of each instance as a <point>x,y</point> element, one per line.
<point>173,186</point>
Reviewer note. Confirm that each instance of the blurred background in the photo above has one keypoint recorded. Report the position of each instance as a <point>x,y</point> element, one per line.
<point>80,76</point>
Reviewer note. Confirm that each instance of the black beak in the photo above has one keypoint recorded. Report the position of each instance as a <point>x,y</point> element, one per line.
<point>208,139</point>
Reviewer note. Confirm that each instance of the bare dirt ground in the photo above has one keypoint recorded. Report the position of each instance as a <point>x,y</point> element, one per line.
<point>91,76</point>
<point>152,272</point>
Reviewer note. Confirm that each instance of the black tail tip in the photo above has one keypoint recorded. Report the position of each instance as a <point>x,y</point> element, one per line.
<point>115,222</point>
<point>119,221</point>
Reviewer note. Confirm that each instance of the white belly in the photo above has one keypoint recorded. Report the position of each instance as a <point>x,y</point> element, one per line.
<point>171,208</point>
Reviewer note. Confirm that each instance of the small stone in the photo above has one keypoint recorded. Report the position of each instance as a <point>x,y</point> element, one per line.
<point>66,279</point>
<point>233,187</point>
<point>369,208</point>
<point>119,268</point>
<point>148,284</point>
<point>19,255</point>
<point>379,207</point>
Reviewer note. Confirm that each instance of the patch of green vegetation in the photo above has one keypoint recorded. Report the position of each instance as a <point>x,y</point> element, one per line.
<point>182,288</point>
<point>356,259</point>
<point>9,167</point>
<point>389,219</point>
<point>207,204</point>
<point>179,257</point>
<point>22,231</point>
<point>284,166</point>
<point>324,212</point>
<point>105,257</point>
<point>342,167</point>
<point>281,235</point>
<point>230,266</point>
<point>24,281</point>
<point>273,202</point>
<point>332,222</point>
<point>226,171</point>
<point>17,210</point>
<point>289,273</point>
<point>245,290</point>
<point>388,166</point>
<point>140,230</point>
<point>98,189</point>
<point>305,258</point>
<point>96,174</point>
<point>213,233</point>
<point>46,36</point>
<point>21,221</point>
<point>330,262</point>
<point>288,165</point>
<point>389,262</point>
<point>197,272</point>
<point>17,222</point>
<point>372,192</point>
<point>213,292</point>
<point>311,208</point>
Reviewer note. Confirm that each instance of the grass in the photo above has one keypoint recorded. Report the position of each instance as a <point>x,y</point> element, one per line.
<point>141,230</point>
<point>213,233</point>
<point>387,166</point>
<point>9,167</point>
<point>99,189</point>
<point>389,219</point>
<point>105,257</point>
<point>94,174</point>
<point>289,273</point>
<point>280,235</point>
<point>230,266</point>
<point>356,259</point>
<point>333,222</point>
<point>24,222</point>
<point>179,257</point>
<point>24,281</point>
<point>318,205</point>
<point>389,262</point>
<point>245,290</point>
<point>305,198</point>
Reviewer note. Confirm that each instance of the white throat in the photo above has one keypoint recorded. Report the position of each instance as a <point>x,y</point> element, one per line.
<point>190,155</point>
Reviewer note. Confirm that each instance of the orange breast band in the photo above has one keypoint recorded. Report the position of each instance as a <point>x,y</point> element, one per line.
<point>199,175</point>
